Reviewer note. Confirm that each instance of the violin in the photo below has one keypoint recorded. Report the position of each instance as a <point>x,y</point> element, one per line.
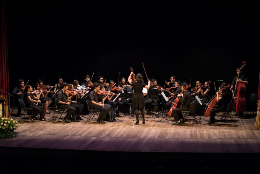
<point>104,93</point>
<point>90,84</point>
<point>133,75</point>
<point>115,88</point>
<point>158,87</point>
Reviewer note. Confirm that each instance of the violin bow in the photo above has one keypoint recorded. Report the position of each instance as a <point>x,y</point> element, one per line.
<point>145,72</point>
<point>92,76</point>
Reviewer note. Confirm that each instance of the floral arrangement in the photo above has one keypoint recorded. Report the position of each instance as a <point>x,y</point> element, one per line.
<point>7,127</point>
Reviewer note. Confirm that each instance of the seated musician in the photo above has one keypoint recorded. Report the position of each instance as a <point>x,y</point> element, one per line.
<point>44,97</point>
<point>222,104</point>
<point>75,103</point>
<point>104,98</point>
<point>110,99</point>
<point>88,84</point>
<point>123,83</point>
<point>172,95</point>
<point>128,98</point>
<point>58,85</point>
<point>98,105</point>
<point>242,79</point>
<point>30,103</point>
<point>102,82</point>
<point>205,92</point>
<point>196,108</point>
<point>18,94</point>
<point>185,100</point>
<point>64,103</point>
<point>171,83</point>
<point>154,96</point>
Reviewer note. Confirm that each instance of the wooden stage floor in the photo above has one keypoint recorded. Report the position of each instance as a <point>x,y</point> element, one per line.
<point>157,135</point>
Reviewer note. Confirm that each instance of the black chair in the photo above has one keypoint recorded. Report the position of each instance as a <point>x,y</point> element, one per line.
<point>92,112</point>
<point>252,105</point>
<point>58,115</point>
<point>227,114</point>
<point>28,112</point>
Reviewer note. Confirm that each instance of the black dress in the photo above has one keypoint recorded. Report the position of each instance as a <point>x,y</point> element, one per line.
<point>138,97</point>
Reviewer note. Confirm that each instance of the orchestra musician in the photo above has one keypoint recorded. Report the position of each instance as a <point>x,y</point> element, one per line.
<point>18,94</point>
<point>172,82</point>
<point>30,103</point>
<point>58,85</point>
<point>101,81</point>
<point>172,95</point>
<point>74,102</point>
<point>138,98</point>
<point>242,79</point>
<point>154,95</point>
<point>123,83</point>
<point>205,92</point>
<point>104,98</point>
<point>222,104</point>
<point>44,97</point>
<point>64,103</point>
<point>98,105</point>
<point>185,100</point>
<point>87,82</point>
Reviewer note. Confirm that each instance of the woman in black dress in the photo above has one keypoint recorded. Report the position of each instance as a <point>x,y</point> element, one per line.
<point>30,103</point>
<point>138,97</point>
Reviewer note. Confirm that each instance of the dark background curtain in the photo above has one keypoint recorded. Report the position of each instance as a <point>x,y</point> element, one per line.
<point>4,71</point>
<point>73,39</point>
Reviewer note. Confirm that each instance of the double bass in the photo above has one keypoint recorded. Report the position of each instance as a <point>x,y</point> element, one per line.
<point>239,93</point>
<point>214,101</point>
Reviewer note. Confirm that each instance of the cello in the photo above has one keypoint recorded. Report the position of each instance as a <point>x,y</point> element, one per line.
<point>176,102</point>
<point>214,101</point>
<point>239,93</point>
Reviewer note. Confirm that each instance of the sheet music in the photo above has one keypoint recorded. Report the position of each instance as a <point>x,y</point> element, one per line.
<point>197,98</point>
<point>145,90</point>
<point>164,96</point>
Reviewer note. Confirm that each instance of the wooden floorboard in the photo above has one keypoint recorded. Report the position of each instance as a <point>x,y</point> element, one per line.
<point>156,135</point>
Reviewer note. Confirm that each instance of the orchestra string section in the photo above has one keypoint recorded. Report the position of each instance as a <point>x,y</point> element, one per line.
<point>130,95</point>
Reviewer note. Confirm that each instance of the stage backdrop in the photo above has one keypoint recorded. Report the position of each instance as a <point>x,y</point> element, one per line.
<point>4,71</point>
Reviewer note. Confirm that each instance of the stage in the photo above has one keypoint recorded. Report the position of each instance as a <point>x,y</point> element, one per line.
<point>157,135</point>
<point>123,143</point>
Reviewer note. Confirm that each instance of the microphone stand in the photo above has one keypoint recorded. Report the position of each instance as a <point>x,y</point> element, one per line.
<point>9,100</point>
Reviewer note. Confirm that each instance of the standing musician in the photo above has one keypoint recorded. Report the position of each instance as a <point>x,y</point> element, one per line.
<point>63,103</point>
<point>18,94</point>
<point>173,95</point>
<point>30,103</point>
<point>172,82</point>
<point>154,95</point>
<point>222,104</point>
<point>138,98</point>
<point>186,101</point>
<point>240,77</point>
<point>58,85</point>
<point>98,105</point>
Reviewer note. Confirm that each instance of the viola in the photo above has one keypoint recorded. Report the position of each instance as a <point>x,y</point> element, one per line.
<point>158,87</point>
<point>115,88</point>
